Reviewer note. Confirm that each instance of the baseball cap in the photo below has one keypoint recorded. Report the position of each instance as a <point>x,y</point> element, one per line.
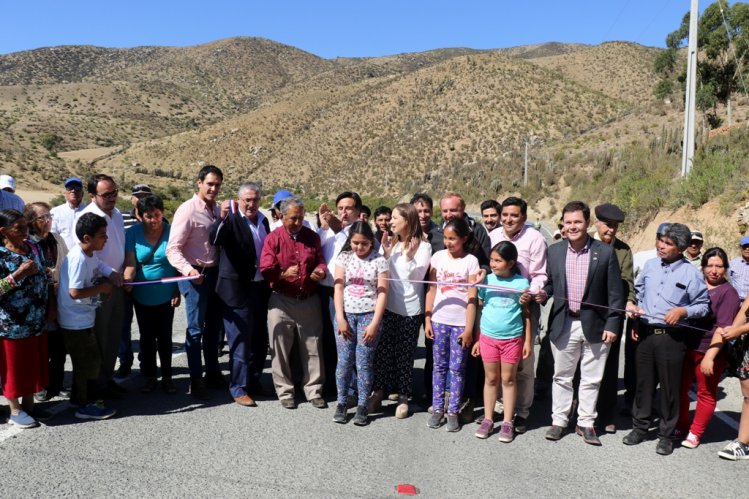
<point>280,196</point>
<point>73,181</point>
<point>6,181</point>
<point>744,241</point>
<point>696,236</point>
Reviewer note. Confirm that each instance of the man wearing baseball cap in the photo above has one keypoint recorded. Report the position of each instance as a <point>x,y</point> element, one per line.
<point>738,269</point>
<point>8,183</point>
<point>63,216</point>
<point>9,200</point>
<point>693,253</point>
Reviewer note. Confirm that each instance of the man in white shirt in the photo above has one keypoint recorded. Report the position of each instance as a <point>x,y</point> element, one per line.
<point>109,316</point>
<point>65,215</point>
<point>333,235</point>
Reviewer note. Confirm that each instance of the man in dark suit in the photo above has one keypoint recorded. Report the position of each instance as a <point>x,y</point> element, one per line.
<point>585,280</point>
<point>239,235</point>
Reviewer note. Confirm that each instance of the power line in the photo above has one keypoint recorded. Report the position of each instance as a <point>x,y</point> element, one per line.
<point>666,3</point>
<point>616,19</point>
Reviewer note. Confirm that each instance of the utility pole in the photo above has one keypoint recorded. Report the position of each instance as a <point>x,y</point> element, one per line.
<point>689,98</point>
<point>525,168</point>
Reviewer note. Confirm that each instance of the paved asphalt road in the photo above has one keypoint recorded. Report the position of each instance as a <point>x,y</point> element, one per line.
<point>170,446</point>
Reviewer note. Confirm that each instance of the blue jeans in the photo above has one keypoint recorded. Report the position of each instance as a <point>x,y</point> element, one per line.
<point>203,311</point>
<point>353,353</point>
<point>238,326</point>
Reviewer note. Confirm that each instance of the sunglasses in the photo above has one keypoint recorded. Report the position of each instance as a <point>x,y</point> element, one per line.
<point>109,195</point>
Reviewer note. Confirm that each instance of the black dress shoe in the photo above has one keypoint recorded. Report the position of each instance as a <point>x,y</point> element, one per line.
<point>554,432</point>
<point>634,437</point>
<point>589,435</point>
<point>665,447</point>
<point>216,381</point>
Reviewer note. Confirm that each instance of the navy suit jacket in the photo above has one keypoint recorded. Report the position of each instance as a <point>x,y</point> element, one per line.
<point>603,287</point>
<point>237,260</point>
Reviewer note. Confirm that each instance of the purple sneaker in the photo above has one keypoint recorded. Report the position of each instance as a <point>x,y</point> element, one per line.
<point>506,432</point>
<point>485,429</point>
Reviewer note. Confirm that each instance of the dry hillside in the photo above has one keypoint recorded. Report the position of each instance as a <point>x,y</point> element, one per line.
<point>449,118</point>
<point>621,70</point>
<point>444,126</point>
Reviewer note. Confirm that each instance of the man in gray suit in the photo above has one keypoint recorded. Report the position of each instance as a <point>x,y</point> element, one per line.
<point>585,280</point>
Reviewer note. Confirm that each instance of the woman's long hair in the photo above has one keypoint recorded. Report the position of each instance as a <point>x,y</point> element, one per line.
<point>411,216</point>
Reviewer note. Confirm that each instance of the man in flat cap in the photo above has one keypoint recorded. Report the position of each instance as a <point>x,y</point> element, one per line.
<point>608,218</point>
<point>693,253</point>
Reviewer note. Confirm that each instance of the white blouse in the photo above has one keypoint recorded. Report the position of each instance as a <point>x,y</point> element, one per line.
<point>406,298</point>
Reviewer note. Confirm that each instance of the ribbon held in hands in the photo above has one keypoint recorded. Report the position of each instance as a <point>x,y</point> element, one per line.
<point>165,280</point>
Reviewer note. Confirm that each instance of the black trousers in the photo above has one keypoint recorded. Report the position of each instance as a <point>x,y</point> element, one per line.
<point>57,352</point>
<point>607,393</point>
<point>329,350</point>
<point>630,369</point>
<point>545,366</point>
<point>659,360</point>
<point>155,325</point>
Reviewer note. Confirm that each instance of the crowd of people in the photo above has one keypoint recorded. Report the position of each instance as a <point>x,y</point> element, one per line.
<point>339,306</point>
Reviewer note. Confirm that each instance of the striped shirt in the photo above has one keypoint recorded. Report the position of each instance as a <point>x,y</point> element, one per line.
<point>738,274</point>
<point>576,269</point>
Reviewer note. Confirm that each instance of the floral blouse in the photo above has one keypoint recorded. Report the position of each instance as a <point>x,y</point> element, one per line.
<point>23,308</point>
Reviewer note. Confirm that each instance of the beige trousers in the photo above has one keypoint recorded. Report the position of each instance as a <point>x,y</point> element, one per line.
<point>291,320</point>
<point>568,349</point>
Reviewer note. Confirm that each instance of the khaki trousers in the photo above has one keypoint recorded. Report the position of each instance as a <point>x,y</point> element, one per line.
<point>291,320</point>
<point>568,349</point>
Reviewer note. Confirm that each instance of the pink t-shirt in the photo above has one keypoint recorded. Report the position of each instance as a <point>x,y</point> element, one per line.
<point>451,301</point>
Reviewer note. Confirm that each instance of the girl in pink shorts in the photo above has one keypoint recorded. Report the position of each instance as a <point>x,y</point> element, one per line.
<point>505,336</point>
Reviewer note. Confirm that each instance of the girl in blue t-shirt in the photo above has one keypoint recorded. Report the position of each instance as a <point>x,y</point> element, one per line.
<point>505,336</point>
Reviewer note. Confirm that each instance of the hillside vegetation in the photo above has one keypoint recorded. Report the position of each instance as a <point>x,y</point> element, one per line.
<point>448,119</point>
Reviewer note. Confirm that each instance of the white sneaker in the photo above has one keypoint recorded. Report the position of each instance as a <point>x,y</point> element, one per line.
<point>401,412</point>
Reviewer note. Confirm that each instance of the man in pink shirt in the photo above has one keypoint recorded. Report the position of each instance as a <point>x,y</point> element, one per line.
<point>531,247</point>
<point>190,252</point>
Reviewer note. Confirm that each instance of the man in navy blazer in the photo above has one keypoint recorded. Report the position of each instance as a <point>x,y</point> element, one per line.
<point>239,235</point>
<point>585,280</point>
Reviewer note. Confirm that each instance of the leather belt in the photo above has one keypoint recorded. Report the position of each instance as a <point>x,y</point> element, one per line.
<point>574,315</point>
<point>295,297</point>
<point>661,330</point>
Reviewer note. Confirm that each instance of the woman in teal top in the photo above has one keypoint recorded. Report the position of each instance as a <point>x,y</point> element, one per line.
<point>145,260</point>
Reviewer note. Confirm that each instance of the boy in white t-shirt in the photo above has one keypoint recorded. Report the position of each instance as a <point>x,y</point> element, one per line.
<point>83,277</point>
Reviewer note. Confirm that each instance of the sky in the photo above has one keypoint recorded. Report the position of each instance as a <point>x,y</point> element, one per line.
<point>351,28</point>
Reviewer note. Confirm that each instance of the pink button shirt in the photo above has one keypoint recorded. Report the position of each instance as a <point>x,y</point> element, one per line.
<point>532,252</point>
<point>188,240</point>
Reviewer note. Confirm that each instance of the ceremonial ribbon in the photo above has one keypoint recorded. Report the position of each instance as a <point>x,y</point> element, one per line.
<point>538,293</point>
<point>165,280</point>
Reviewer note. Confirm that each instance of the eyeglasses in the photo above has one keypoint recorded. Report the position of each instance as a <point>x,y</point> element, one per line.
<point>44,218</point>
<point>109,195</point>
<point>75,188</point>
